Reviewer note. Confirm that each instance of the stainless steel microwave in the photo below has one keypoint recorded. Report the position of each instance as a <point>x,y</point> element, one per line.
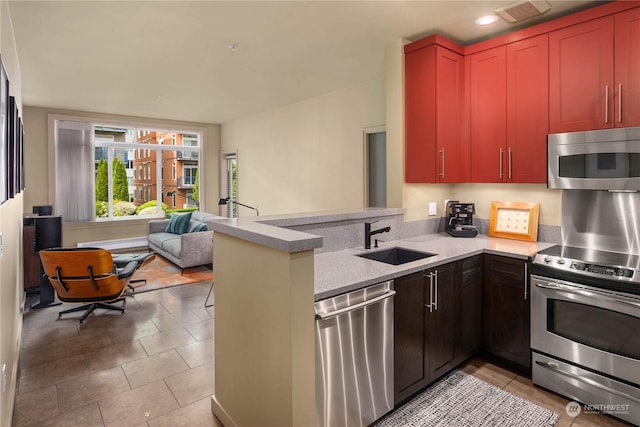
<point>595,160</point>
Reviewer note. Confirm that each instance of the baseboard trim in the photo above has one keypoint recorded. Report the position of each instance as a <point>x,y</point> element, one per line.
<point>129,243</point>
<point>220,413</point>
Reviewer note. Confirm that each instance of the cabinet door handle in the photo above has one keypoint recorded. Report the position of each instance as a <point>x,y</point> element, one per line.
<point>619,102</point>
<point>509,163</point>
<point>606,104</point>
<point>500,162</point>
<point>442,173</point>
<point>430,305</point>
<point>526,280</point>
<point>435,299</point>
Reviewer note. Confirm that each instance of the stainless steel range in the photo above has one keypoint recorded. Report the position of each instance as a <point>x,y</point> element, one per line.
<point>585,327</point>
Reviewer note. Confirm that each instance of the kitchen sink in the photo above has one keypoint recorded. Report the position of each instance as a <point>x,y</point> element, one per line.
<point>396,256</point>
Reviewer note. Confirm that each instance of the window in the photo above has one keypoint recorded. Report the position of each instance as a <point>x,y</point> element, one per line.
<point>102,173</point>
<point>189,172</point>
<point>190,200</point>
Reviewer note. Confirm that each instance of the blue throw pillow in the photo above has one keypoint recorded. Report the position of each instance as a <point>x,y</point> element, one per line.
<point>198,226</point>
<point>179,223</point>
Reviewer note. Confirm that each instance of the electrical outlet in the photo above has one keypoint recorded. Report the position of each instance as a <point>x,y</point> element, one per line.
<point>4,377</point>
<point>432,208</point>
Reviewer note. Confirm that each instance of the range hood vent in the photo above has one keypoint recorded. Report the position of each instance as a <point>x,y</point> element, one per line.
<point>523,10</point>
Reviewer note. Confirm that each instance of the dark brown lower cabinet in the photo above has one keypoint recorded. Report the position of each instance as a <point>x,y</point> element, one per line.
<point>469,306</point>
<point>441,320</point>
<point>410,343</point>
<point>430,312</point>
<point>506,312</point>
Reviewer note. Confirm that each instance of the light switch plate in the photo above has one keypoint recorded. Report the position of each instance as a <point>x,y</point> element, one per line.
<point>432,208</point>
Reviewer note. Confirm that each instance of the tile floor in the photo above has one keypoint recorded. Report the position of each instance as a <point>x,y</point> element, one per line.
<point>153,366</point>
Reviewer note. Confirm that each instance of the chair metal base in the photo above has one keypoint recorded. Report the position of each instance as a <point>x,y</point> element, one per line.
<point>133,288</point>
<point>208,295</point>
<point>90,308</point>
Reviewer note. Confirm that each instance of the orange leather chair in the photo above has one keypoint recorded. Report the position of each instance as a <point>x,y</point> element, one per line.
<point>86,275</point>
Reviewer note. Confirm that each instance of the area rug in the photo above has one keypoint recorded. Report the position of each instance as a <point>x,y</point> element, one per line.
<point>463,400</point>
<point>161,273</point>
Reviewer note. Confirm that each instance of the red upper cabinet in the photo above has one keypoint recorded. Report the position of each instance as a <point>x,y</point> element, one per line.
<point>452,164</point>
<point>435,150</point>
<point>581,76</point>
<point>527,110</point>
<point>509,112</point>
<point>593,69</point>
<point>488,125</point>
<point>627,68</point>
<point>420,152</point>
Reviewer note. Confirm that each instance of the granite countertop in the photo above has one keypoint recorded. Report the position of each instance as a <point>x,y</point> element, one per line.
<point>342,271</point>
<point>269,231</point>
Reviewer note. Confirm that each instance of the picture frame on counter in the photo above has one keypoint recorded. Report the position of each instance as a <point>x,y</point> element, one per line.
<point>514,220</point>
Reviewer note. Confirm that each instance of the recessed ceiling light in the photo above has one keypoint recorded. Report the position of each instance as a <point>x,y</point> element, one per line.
<point>486,20</point>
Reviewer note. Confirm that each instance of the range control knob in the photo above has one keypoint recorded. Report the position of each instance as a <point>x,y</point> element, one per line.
<point>560,261</point>
<point>547,259</point>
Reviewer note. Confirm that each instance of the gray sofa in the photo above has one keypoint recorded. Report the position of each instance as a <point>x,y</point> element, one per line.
<point>185,250</point>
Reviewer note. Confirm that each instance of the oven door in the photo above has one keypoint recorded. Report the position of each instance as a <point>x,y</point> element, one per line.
<point>595,328</point>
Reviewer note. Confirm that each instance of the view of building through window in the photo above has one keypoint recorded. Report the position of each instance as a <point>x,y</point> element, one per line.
<point>130,173</point>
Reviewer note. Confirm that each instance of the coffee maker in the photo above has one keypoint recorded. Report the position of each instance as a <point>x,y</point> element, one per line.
<point>460,219</point>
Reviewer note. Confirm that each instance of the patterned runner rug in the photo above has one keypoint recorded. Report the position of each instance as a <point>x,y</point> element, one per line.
<point>161,273</point>
<point>463,400</point>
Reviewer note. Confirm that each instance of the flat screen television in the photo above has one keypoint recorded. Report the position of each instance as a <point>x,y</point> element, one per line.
<point>48,232</point>
<point>43,210</point>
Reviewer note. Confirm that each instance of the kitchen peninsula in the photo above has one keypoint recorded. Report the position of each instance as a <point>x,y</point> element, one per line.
<point>267,279</point>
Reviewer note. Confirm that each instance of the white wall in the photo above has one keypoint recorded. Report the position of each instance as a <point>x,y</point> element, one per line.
<point>11,229</point>
<point>307,156</point>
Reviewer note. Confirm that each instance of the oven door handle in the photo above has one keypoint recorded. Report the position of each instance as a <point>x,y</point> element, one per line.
<point>555,368</point>
<point>590,293</point>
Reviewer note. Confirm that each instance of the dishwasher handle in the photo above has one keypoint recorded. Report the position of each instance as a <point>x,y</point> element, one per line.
<point>324,316</point>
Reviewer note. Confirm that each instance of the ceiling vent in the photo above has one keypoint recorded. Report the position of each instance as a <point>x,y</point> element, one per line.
<point>523,10</point>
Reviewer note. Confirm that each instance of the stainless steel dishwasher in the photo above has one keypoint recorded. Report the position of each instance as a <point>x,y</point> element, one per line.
<point>354,357</point>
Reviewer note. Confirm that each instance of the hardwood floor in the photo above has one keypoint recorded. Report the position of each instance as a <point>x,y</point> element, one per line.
<point>153,366</point>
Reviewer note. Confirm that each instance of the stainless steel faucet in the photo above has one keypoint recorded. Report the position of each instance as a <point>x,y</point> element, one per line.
<point>368,233</point>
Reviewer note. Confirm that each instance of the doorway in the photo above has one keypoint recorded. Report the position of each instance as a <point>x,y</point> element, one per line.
<point>375,167</point>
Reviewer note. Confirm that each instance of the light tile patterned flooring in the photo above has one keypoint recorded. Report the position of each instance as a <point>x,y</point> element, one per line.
<point>153,366</point>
